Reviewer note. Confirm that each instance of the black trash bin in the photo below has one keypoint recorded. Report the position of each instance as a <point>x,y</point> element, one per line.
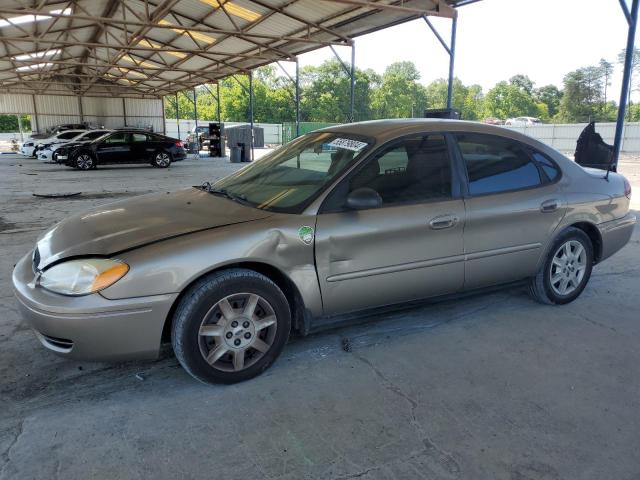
<point>236,154</point>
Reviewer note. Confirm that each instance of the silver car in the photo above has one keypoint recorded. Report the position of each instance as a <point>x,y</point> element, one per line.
<point>338,221</point>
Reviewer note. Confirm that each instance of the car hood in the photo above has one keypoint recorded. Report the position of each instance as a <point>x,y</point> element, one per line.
<point>138,221</point>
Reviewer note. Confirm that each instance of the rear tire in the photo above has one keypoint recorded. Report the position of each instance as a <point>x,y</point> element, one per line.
<point>230,326</point>
<point>161,159</point>
<point>566,270</point>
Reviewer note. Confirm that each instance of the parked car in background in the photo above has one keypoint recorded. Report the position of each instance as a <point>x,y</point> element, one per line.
<point>337,221</point>
<point>122,147</point>
<point>493,121</point>
<point>31,146</point>
<point>55,129</point>
<point>523,121</point>
<point>197,139</point>
<point>47,151</point>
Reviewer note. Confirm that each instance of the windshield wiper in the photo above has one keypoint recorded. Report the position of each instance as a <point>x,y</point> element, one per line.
<point>207,187</point>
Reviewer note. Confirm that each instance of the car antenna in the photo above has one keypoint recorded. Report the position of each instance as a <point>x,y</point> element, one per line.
<point>606,177</point>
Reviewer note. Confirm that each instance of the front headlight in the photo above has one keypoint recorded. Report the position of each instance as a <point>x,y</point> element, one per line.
<point>82,277</point>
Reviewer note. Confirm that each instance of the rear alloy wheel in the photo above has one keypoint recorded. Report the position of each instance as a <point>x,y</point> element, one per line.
<point>566,270</point>
<point>230,326</point>
<point>161,160</point>
<point>84,161</point>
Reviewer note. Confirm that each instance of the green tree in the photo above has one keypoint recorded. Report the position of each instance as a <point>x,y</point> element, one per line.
<point>326,93</point>
<point>467,99</point>
<point>635,69</point>
<point>399,94</point>
<point>508,100</point>
<point>550,96</point>
<point>583,95</point>
<point>523,82</point>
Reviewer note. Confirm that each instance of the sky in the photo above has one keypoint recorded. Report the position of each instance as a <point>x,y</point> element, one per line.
<point>544,39</point>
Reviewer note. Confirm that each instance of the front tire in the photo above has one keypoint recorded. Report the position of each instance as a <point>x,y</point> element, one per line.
<point>84,161</point>
<point>566,270</point>
<point>230,326</point>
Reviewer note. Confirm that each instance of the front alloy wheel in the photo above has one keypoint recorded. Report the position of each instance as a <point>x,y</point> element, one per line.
<point>237,331</point>
<point>84,161</point>
<point>230,326</point>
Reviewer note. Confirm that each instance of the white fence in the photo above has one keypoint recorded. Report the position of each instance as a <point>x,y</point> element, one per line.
<point>272,131</point>
<point>563,137</point>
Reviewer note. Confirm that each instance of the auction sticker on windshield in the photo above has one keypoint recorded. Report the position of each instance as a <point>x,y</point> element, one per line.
<point>348,144</point>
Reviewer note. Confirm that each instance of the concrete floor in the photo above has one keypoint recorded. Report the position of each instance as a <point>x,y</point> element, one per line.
<point>488,387</point>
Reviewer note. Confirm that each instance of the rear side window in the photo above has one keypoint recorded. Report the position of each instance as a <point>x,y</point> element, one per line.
<point>496,164</point>
<point>549,168</point>
<point>138,137</point>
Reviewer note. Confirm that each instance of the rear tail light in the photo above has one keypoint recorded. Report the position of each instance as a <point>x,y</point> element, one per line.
<point>627,188</point>
<point>179,144</point>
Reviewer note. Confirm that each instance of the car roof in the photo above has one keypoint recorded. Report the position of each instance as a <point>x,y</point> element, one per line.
<point>384,130</point>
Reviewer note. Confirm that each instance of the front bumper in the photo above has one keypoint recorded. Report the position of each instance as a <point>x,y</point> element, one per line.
<point>91,327</point>
<point>615,234</point>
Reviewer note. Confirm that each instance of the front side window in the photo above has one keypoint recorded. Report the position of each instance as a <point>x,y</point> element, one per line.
<point>289,178</point>
<point>93,135</point>
<point>495,164</point>
<point>67,135</point>
<point>415,169</point>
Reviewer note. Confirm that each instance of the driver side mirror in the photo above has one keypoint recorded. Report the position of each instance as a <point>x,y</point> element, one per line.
<point>363,199</point>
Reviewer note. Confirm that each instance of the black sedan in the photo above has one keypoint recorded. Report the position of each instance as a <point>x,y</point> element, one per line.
<point>121,147</point>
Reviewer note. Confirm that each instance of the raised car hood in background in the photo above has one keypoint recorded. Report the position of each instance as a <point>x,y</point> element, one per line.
<point>138,221</point>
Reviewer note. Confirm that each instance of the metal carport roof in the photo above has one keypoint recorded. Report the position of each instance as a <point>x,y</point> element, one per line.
<point>153,48</point>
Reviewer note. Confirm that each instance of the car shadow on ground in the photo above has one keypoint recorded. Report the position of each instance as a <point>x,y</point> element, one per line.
<point>98,380</point>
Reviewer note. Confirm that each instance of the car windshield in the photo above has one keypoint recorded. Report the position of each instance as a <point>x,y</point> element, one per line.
<point>290,178</point>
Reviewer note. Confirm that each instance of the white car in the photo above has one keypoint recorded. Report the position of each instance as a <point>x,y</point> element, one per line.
<point>523,121</point>
<point>47,150</point>
<point>31,145</point>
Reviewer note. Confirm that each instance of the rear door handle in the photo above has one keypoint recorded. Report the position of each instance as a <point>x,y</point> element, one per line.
<point>443,221</point>
<point>549,206</point>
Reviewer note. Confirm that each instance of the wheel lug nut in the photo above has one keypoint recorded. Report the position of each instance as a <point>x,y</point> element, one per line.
<point>234,324</point>
<point>245,324</point>
<point>229,334</point>
<point>247,335</point>
<point>236,342</point>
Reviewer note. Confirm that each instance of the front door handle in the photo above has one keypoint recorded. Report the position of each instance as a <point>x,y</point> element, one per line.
<point>549,206</point>
<point>443,221</point>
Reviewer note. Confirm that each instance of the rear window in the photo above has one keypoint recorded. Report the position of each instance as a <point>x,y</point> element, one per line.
<point>549,168</point>
<point>496,164</point>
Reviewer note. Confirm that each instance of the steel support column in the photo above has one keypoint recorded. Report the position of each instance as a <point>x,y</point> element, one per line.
<point>251,111</point>
<point>632,20</point>
<point>218,101</point>
<point>351,73</point>
<point>297,98</point>
<point>353,81</point>
<point>195,106</point>
<point>178,115</point>
<point>452,59</point>
<point>451,51</point>
<point>164,118</point>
